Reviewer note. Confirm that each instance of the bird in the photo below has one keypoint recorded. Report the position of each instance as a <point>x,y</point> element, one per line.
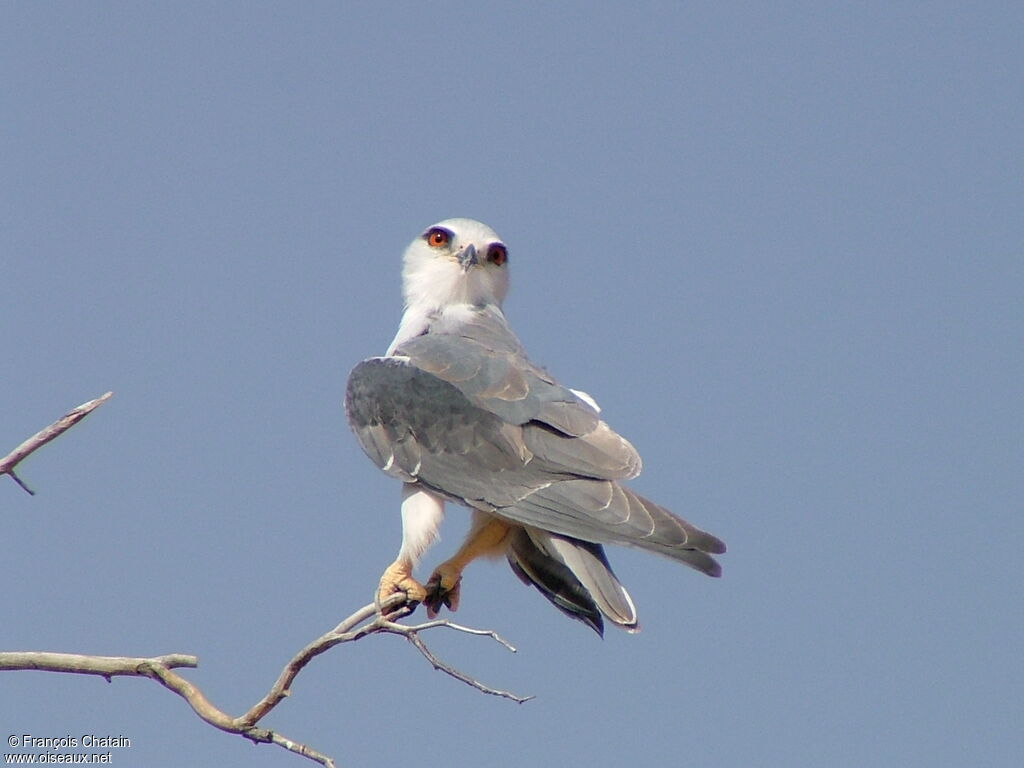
<point>456,411</point>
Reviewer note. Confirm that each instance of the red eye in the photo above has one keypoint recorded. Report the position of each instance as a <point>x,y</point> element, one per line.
<point>497,254</point>
<point>438,237</point>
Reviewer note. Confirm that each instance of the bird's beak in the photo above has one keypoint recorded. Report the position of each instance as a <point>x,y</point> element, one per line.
<point>467,257</point>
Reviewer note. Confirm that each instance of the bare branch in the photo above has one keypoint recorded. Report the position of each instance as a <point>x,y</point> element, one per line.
<point>340,634</point>
<point>41,438</point>
<point>105,666</point>
<point>458,628</point>
<point>368,620</point>
<point>412,635</point>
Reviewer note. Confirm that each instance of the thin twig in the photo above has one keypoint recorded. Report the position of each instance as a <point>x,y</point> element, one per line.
<point>368,620</point>
<point>458,628</point>
<point>439,665</point>
<point>412,635</point>
<point>43,436</point>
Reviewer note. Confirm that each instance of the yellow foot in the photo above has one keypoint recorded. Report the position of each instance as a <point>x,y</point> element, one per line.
<point>443,589</point>
<point>398,578</point>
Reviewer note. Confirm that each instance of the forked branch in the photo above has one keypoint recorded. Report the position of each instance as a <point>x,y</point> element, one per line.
<point>368,620</point>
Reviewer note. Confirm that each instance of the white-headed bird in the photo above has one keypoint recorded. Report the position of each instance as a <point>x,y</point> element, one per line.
<point>457,412</point>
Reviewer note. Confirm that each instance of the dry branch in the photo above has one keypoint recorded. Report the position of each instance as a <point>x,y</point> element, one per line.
<point>43,436</point>
<point>104,666</point>
<point>368,620</point>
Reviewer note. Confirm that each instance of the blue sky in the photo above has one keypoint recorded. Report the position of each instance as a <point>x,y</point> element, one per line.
<point>781,244</point>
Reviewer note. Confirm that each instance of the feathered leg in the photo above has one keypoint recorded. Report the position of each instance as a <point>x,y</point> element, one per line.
<point>422,512</point>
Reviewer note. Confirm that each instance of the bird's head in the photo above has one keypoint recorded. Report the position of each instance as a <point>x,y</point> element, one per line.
<point>456,261</point>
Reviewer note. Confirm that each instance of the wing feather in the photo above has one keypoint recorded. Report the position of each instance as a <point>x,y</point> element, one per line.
<point>604,511</point>
<point>487,428</point>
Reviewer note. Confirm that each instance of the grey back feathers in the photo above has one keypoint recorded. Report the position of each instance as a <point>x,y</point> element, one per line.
<point>468,416</point>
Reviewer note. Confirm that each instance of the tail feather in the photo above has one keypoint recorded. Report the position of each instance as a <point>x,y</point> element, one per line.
<point>574,576</point>
<point>588,563</point>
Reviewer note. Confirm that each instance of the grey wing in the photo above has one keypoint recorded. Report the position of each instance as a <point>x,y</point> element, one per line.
<point>503,382</point>
<point>417,427</point>
<point>488,429</point>
<point>605,511</point>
